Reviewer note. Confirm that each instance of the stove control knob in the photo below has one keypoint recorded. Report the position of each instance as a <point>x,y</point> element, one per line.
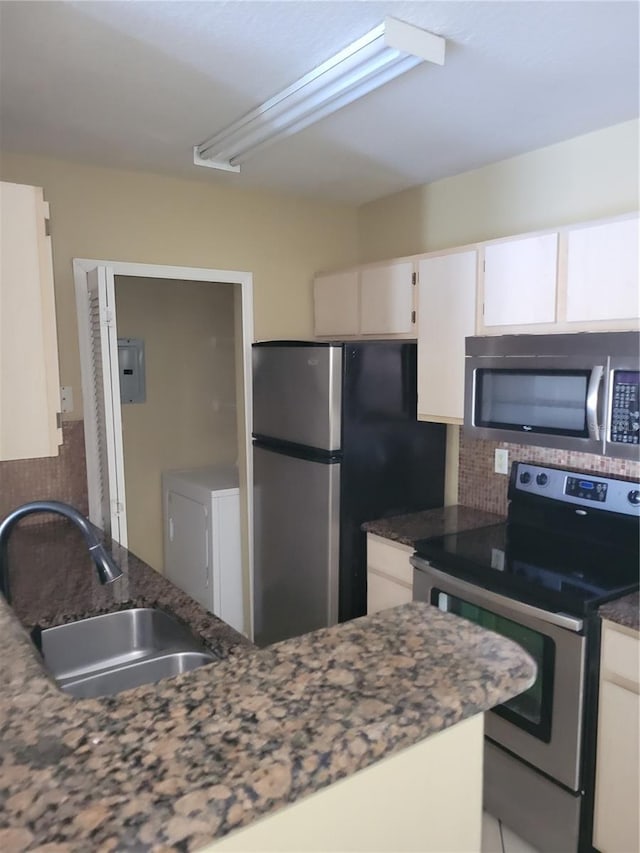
<point>542,479</point>
<point>525,477</point>
<point>634,497</point>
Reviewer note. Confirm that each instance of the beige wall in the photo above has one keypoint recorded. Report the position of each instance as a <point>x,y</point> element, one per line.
<point>141,217</point>
<point>189,415</point>
<point>588,177</point>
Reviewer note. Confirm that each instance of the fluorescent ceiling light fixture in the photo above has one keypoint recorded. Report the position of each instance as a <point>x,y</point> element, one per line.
<point>391,49</point>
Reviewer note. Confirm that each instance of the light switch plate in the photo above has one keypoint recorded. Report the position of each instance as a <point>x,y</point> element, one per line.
<point>501,462</point>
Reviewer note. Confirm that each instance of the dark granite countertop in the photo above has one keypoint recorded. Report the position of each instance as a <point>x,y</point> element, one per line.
<point>625,611</point>
<point>407,529</point>
<point>173,765</point>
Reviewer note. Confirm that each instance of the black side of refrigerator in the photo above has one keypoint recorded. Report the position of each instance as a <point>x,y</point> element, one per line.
<point>391,463</point>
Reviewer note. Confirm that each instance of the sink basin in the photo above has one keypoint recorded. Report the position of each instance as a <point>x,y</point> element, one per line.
<point>107,682</point>
<point>105,654</point>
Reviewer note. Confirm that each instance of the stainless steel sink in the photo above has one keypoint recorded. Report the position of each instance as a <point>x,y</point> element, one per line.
<point>146,671</point>
<point>105,654</point>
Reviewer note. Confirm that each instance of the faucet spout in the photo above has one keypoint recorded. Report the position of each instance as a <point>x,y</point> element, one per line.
<point>107,570</point>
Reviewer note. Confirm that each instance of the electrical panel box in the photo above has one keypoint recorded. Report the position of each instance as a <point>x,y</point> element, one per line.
<point>131,369</point>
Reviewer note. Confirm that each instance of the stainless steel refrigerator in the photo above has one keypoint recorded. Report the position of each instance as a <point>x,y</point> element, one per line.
<point>335,443</point>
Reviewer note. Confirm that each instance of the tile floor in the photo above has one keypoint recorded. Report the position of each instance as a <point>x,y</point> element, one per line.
<point>498,838</point>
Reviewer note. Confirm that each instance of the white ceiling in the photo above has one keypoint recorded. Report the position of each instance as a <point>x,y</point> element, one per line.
<point>136,84</point>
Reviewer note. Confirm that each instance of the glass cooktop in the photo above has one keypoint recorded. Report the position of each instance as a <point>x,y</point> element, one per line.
<point>543,568</point>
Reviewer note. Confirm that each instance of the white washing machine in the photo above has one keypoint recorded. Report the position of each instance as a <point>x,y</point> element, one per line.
<point>202,553</point>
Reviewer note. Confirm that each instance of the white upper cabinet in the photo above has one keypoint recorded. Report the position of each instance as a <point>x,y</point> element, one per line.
<point>576,278</point>
<point>336,304</point>
<point>386,299</point>
<point>375,300</point>
<point>582,278</point>
<point>602,272</point>
<point>446,315</point>
<point>520,282</point>
<point>30,383</point>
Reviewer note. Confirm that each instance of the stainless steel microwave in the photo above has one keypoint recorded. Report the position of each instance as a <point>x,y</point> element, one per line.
<point>577,391</point>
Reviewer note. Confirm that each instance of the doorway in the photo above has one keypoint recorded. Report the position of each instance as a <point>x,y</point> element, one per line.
<point>102,289</point>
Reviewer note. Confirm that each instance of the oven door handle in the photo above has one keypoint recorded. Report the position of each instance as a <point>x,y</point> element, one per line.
<point>593,394</point>
<point>484,596</point>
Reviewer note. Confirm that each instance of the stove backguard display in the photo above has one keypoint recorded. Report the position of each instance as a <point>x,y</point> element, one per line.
<point>591,490</point>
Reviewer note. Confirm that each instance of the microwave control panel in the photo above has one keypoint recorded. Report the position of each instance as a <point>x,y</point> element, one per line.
<point>625,407</point>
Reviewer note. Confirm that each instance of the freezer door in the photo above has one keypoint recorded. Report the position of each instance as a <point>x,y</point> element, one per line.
<point>297,394</point>
<point>296,532</point>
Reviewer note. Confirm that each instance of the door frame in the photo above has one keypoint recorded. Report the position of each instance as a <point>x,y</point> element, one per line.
<point>243,338</point>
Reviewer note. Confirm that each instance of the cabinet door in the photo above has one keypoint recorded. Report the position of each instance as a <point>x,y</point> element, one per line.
<point>386,299</point>
<point>520,281</point>
<point>384,592</point>
<point>616,828</point>
<point>602,272</point>
<point>228,602</point>
<point>187,563</point>
<point>389,574</point>
<point>446,315</point>
<point>30,387</point>
<point>336,304</point>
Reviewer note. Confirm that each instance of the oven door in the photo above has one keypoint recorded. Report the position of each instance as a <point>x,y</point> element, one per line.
<point>543,725</point>
<point>544,400</point>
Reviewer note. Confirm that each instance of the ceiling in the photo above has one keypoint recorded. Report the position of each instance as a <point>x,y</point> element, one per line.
<point>137,84</point>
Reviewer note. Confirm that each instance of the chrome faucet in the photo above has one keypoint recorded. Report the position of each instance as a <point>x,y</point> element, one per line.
<point>106,568</point>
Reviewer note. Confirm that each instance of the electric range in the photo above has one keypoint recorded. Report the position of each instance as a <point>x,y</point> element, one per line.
<point>570,544</point>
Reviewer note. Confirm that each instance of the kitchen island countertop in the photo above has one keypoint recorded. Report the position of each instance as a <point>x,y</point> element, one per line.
<point>176,764</point>
<point>408,529</point>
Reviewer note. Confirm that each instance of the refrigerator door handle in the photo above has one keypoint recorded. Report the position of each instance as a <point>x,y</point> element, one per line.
<point>296,451</point>
<point>409,384</point>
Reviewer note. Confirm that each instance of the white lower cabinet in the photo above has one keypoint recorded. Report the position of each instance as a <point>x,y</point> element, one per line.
<point>389,573</point>
<point>202,555</point>
<point>616,826</point>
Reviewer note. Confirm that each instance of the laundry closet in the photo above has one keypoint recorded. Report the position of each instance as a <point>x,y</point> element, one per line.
<point>180,438</point>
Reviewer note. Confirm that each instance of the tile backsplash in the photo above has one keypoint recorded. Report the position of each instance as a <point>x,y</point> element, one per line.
<point>481,488</point>
<point>64,477</point>
<point>60,478</point>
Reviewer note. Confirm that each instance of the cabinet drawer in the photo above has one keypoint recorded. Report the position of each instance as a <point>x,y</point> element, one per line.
<point>620,654</point>
<point>383,593</point>
<point>390,558</point>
